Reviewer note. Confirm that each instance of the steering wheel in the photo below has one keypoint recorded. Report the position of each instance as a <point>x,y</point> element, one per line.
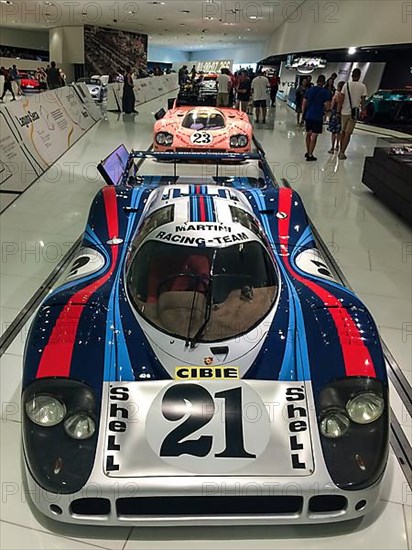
<point>200,279</point>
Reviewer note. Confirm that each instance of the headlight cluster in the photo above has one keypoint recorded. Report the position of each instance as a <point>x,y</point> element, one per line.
<point>353,415</point>
<point>240,140</point>
<point>164,138</point>
<point>60,427</point>
<point>363,408</point>
<point>46,410</point>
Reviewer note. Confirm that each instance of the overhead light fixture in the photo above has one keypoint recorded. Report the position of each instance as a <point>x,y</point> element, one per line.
<point>209,18</point>
<point>352,50</point>
<point>184,11</point>
<point>8,2</point>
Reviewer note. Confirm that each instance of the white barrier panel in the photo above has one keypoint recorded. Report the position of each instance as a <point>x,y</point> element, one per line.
<point>37,130</point>
<point>18,169</point>
<point>114,96</point>
<point>84,95</point>
<point>145,89</point>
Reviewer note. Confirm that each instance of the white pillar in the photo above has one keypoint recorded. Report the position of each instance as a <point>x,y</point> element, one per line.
<point>66,47</point>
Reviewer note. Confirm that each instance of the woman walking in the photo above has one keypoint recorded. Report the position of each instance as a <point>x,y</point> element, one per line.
<point>335,125</point>
<point>300,94</point>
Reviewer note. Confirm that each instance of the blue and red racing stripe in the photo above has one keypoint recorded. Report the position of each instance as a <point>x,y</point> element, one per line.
<point>202,209</point>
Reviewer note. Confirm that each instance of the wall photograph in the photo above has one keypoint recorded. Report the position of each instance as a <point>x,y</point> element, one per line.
<point>109,51</point>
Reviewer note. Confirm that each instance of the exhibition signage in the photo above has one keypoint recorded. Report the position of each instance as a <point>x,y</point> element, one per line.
<point>37,130</point>
<point>144,89</point>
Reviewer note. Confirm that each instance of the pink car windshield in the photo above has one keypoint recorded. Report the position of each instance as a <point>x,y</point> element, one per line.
<point>195,120</point>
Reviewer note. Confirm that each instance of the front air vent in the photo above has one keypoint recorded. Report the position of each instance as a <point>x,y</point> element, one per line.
<point>327,504</point>
<point>90,507</point>
<point>208,506</point>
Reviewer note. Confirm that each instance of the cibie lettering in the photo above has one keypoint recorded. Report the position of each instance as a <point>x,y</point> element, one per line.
<point>297,419</point>
<point>27,119</point>
<point>206,373</point>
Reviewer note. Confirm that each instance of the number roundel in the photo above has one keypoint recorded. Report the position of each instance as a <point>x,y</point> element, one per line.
<point>208,427</point>
<point>201,138</point>
<point>87,261</point>
<point>310,261</point>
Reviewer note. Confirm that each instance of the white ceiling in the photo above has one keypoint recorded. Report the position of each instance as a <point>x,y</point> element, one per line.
<point>187,25</point>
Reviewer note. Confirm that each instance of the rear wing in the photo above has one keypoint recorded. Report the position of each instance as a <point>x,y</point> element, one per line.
<point>120,168</point>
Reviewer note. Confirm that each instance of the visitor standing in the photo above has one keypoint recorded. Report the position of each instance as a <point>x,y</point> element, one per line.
<point>243,91</point>
<point>15,75</point>
<point>274,87</point>
<point>354,95</point>
<point>182,75</point>
<point>260,88</point>
<point>54,79</point>
<point>128,98</point>
<point>223,87</point>
<point>335,122</point>
<point>316,100</point>
<point>300,94</point>
<point>7,83</point>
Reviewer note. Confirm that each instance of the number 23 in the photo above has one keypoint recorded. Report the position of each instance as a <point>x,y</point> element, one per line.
<point>201,137</point>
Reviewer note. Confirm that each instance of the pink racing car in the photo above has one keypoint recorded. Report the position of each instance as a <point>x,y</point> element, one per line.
<point>187,129</point>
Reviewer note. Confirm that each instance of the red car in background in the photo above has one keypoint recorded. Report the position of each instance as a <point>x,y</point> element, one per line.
<point>29,83</point>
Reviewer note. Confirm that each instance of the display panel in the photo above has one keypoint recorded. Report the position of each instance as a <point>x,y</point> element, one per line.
<point>113,166</point>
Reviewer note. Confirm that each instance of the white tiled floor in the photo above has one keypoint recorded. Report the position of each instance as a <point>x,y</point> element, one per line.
<point>366,240</point>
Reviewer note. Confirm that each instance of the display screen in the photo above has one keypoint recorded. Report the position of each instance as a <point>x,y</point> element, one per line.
<point>113,167</point>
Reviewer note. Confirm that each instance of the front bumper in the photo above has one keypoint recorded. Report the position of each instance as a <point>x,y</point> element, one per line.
<point>155,497</point>
<point>204,501</point>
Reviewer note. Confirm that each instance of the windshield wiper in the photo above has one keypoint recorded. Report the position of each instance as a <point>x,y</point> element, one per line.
<point>193,341</point>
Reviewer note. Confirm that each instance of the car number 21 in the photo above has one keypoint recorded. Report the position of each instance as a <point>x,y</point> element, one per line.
<point>200,404</point>
<point>201,138</point>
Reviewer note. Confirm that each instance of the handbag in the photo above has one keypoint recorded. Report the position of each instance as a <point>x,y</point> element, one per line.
<point>355,111</point>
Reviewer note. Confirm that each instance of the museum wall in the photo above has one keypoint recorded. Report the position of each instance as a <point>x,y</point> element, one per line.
<point>24,38</point>
<point>244,53</point>
<point>325,25</point>
<point>163,54</point>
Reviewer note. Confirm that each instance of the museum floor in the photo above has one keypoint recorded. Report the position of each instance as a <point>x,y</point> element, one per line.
<point>371,245</point>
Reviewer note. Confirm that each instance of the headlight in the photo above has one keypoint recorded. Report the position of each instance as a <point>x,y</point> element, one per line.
<point>242,141</point>
<point>164,138</point>
<point>45,410</point>
<point>239,140</point>
<point>365,407</point>
<point>334,424</point>
<point>79,426</point>
<point>160,138</point>
<point>233,141</point>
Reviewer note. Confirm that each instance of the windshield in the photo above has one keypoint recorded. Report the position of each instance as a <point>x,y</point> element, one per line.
<point>203,120</point>
<point>202,294</point>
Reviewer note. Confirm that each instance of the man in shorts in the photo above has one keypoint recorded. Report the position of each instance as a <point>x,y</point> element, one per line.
<point>317,99</point>
<point>354,96</point>
<point>260,87</point>
<point>224,84</point>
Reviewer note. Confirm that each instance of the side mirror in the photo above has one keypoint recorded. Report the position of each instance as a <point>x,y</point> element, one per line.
<point>160,114</point>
